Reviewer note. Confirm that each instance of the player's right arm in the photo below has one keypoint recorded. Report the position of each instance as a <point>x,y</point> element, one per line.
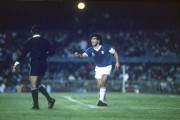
<point>78,55</point>
<point>87,53</point>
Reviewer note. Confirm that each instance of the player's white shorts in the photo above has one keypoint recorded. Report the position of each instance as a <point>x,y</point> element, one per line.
<point>102,70</point>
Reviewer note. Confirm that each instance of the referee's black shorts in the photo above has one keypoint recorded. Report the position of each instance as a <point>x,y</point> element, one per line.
<point>38,67</point>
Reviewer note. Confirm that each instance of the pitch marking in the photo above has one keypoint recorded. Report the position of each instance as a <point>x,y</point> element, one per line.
<point>78,102</point>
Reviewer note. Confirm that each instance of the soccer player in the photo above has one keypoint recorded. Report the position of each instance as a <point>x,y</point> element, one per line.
<point>101,55</point>
<point>39,49</point>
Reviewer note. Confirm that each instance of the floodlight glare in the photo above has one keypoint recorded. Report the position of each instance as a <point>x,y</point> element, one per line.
<point>81,5</point>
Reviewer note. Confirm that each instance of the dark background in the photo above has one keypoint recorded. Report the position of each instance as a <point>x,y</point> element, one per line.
<point>62,14</point>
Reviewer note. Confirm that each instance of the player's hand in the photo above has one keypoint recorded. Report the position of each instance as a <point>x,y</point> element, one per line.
<point>76,54</point>
<point>14,69</point>
<point>117,65</point>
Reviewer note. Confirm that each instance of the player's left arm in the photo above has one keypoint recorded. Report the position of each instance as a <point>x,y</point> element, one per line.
<point>117,64</point>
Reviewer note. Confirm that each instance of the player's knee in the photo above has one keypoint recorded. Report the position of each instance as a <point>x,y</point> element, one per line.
<point>100,84</point>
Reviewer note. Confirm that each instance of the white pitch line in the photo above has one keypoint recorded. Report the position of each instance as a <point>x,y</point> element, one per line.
<point>78,102</point>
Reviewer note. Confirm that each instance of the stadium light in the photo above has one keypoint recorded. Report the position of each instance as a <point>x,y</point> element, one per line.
<point>81,5</point>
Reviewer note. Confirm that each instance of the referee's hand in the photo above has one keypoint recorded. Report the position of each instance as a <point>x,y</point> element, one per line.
<point>14,69</point>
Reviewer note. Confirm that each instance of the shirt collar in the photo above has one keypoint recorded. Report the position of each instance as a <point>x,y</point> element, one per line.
<point>97,49</point>
<point>37,35</point>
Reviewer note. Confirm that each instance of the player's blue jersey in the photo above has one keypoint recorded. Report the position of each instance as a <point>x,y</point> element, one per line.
<point>103,57</point>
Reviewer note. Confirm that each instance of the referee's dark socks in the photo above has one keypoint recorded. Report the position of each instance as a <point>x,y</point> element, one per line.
<point>34,93</point>
<point>45,93</point>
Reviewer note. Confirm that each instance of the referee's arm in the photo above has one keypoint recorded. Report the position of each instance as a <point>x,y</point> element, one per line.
<point>25,50</point>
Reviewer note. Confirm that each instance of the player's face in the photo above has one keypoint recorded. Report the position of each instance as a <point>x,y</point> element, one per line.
<point>94,41</point>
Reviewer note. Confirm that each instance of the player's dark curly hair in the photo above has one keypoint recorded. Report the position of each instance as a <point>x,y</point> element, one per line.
<point>98,36</point>
<point>36,29</point>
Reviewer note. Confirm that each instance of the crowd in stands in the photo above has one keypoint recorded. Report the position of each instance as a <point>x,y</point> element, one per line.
<point>128,44</point>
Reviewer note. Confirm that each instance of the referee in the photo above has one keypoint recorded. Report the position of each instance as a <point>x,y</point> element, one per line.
<point>39,49</point>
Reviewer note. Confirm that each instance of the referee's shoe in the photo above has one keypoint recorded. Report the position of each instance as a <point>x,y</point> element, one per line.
<point>35,108</point>
<point>51,104</point>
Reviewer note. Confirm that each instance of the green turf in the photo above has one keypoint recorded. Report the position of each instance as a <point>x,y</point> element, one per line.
<point>16,106</point>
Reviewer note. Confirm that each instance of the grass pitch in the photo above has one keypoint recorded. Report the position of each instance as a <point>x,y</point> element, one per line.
<point>17,106</point>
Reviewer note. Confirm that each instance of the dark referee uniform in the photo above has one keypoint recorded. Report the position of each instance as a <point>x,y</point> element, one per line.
<point>39,49</point>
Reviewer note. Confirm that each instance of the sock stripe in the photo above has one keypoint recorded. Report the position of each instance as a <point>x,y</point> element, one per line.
<point>33,88</point>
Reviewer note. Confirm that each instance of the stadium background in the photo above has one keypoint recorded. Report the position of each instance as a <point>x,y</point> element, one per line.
<point>145,33</point>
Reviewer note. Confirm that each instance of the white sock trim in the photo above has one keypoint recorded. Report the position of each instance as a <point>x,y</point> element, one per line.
<point>33,88</point>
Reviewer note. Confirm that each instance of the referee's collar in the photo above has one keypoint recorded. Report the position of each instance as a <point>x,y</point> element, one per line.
<point>37,35</point>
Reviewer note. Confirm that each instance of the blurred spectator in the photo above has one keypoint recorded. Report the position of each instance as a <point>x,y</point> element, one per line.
<point>2,87</point>
<point>48,87</point>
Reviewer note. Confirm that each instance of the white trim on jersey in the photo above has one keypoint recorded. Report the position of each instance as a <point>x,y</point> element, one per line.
<point>97,49</point>
<point>85,55</point>
<point>16,63</point>
<point>112,50</point>
<point>37,35</point>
